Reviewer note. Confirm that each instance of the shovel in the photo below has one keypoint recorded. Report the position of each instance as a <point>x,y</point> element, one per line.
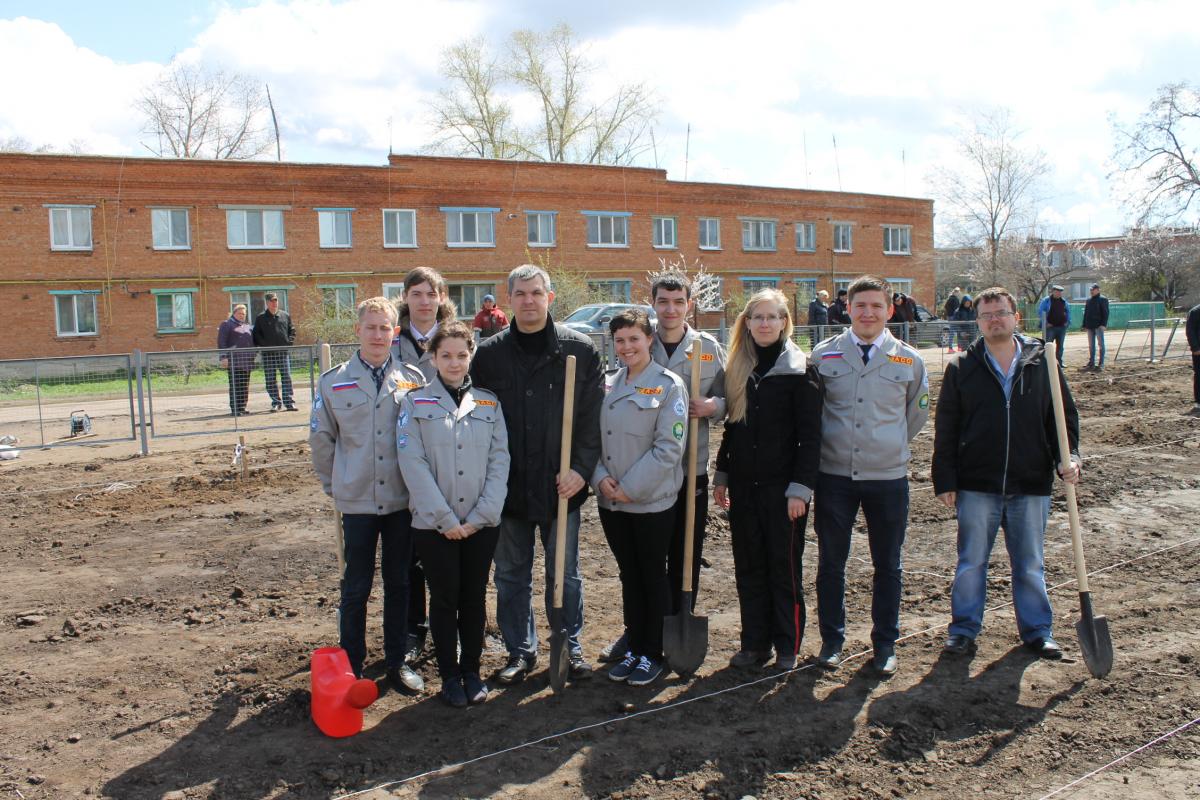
<point>560,657</point>
<point>1094,640</point>
<point>685,636</point>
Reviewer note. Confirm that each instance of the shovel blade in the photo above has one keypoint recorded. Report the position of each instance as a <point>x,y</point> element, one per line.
<point>1096,644</point>
<point>685,641</point>
<point>560,655</point>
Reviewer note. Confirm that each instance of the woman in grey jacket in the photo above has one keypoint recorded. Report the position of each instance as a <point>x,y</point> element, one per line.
<point>452,447</point>
<point>643,422</point>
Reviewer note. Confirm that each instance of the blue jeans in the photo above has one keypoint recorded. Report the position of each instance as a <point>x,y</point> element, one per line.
<point>360,533</point>
<point>1057,334</point>
<point>514,583</point>
<point>885,506</point>
<point>980,516</point>
<point>1095,335</point>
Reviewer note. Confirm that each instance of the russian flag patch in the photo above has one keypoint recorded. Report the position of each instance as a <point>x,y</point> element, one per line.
<point>425,401</point>
<point>338,387</point>
<point>834,354</point>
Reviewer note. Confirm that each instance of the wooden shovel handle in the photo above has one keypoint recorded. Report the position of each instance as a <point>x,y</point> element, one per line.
<point>693,446</point>
<point>1064,454</point>
<point>564,466</point>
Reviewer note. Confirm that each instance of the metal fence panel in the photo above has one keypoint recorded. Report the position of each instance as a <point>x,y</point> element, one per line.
<point>72,400</point>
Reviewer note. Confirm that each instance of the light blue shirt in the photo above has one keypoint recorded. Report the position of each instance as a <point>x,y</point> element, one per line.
<point>1006,378</point>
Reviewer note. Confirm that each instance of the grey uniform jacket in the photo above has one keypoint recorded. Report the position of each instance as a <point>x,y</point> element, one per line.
<point>403,349</point>
<point>872,411</point>
<point>352,434</point>
<point>642,428</point>
<point>712,379</point>
<point>453,458</point>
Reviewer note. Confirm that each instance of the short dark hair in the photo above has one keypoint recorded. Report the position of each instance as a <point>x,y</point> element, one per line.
<point>455,329</point>
<point>672,282</point>
<point>631,318</point>
<point>995,294</point>
<point>419,275</point>
<point>870,283</point>
<point>269,296</point>
<point>842,292</point>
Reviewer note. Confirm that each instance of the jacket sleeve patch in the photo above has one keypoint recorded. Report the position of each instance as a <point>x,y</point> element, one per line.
<point>923,400</point>
<point>677,430</point>
<point>680,408</point>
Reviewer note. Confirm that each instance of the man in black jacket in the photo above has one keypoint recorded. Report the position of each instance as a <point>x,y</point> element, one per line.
<point>525,366</point>
<point>273,328</point>
<point>995,452</point>
<point>1095,320</point>
<point>1193,340</point>
<point>839,312</point>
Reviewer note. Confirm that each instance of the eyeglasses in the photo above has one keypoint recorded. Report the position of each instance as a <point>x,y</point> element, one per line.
<point>759,319</point>
<point>988,316</point>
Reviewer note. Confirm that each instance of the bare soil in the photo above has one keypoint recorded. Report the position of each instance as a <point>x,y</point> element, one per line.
<point>157,616</point>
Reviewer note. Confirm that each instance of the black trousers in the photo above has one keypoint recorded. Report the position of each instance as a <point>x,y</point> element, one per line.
<point>418,611</point>
<point>361,533</point>
<point>1196,379</point>
<point>275,362</point>
<point>767,552</point>
<point>675,553</point>
<point>239,388</point>
<point>639,542</point>
<point>457,571</point>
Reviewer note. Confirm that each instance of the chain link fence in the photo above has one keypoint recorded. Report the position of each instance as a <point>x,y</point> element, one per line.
<point>52,402</point>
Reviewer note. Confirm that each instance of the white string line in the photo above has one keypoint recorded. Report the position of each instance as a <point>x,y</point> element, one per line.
<point>454,767</point>
<point>1114,762</point>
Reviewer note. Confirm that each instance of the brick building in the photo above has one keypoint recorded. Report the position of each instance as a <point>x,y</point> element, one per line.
<point>103,255</point>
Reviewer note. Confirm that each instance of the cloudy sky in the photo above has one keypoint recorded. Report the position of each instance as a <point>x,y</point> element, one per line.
<point>765,86</point>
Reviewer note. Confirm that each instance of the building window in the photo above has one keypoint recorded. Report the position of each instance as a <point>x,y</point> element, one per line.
<point>255,299</point>
<point>710,233</point>
<point>897,240</point>
<point>393,291</point>
<point>614,291</point>
<point>174,310</point>
<point>75,313</point>
<point>169,228</point>
<point>758,234</point>
<point>841,283</point>
<point>806,237</point>
<point>470,227</point>
<point>399,227</point>
<point>607,229</point>
<point>901,285</point>
<point>752,285</point>
<point>843,237</point>
<point>664,232</point>
<point>337,300</point>
<point>333,225</point>
<point>254,228</point>
<point>1080,290</point>
<point>540,228</point>
<point>468,297</point>
<point>71,228</point>
<point>806,290</point>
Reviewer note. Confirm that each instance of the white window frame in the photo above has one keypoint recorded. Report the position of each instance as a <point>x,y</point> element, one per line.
<point>752,284</point>
<point>72,243</point>
<point>327,224</point>
<point>806,289</point>
<point>337,309</point>
<point>659,236</point>
<point>190,294</point>
<point>840,228</point>
<point>156,213</point>
<point>546,223</point>
<point>902,246</point>
<point>841,283</point>
<point>766,230</point>
<point>387,290</point>
<point>623,287</point>
<point>704,231</point>
<point>398,212</point>
<point>238,215</point>
<point>806,243</point>
<point>612,218</point>
<point>902,285</point>
<point>457,292</point>
<point>75,297</point>
<point>478,213</point>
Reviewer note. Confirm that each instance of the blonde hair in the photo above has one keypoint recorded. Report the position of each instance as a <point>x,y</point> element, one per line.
<point>381,305</point>
<point>742,357</point>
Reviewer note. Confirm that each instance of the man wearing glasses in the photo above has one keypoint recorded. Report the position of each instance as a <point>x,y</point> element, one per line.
<point>995,452</point>
<point>876,400</point>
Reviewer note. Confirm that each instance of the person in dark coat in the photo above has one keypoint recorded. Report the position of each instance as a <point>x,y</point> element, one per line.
<point>951,304</point>
<point>839,312</point>
<point>236,333</point>
<point>964,319</point>
<point>1193,339</point>
<point>273,328</point>
<point>1095,321</point>
<point>818,318</point>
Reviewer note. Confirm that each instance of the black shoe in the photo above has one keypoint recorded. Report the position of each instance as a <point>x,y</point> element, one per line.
<point>452,692</point>
<point>581,670</point>
<point>477,690</point>
<point>958,645</point>
<point>615,651</point>
<point>885,663</point>
<point>785,662</point>
<point>515,671</point>
<point>1046,648</point>
<point>292,407</point>
<point>405,681</point>
<point>830,656</point>
<point>747,659</point>
<point>414,645</point>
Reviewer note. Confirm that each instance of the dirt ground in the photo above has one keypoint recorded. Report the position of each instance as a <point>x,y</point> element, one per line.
<point>157,631</point>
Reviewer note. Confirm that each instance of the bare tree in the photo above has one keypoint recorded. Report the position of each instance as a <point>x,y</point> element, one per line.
<point>19,144</point>
<point>1157,263</point>
<point>1159,153</point>
<point>992,195</point>
<point>194,112</point>
<point>1029,267</point>
<point>473,115</point>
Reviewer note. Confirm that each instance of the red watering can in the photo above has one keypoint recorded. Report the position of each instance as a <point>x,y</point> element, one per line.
<point>338,698</point>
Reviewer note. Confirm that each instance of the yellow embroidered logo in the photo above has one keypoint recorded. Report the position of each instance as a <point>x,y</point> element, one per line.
<point>703,356</point>
<point>485,402</point>
<point>407,385</point>
<point>901,360</point>
<point>655,390</point>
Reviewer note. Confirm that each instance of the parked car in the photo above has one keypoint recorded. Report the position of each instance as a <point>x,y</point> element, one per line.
<point>595,318</point>
<point>932,331</point>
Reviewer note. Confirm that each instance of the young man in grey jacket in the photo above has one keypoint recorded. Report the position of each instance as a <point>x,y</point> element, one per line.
<point>876,400</point>
<point>353,441</point>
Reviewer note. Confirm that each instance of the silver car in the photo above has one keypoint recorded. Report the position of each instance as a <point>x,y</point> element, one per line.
<point>594,318</point>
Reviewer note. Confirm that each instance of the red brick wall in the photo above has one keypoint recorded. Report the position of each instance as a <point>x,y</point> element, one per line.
<point>123,264</point>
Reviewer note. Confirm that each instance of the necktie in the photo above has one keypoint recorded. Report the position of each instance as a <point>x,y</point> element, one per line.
<point>866,351</point>
<point>377,376</point>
